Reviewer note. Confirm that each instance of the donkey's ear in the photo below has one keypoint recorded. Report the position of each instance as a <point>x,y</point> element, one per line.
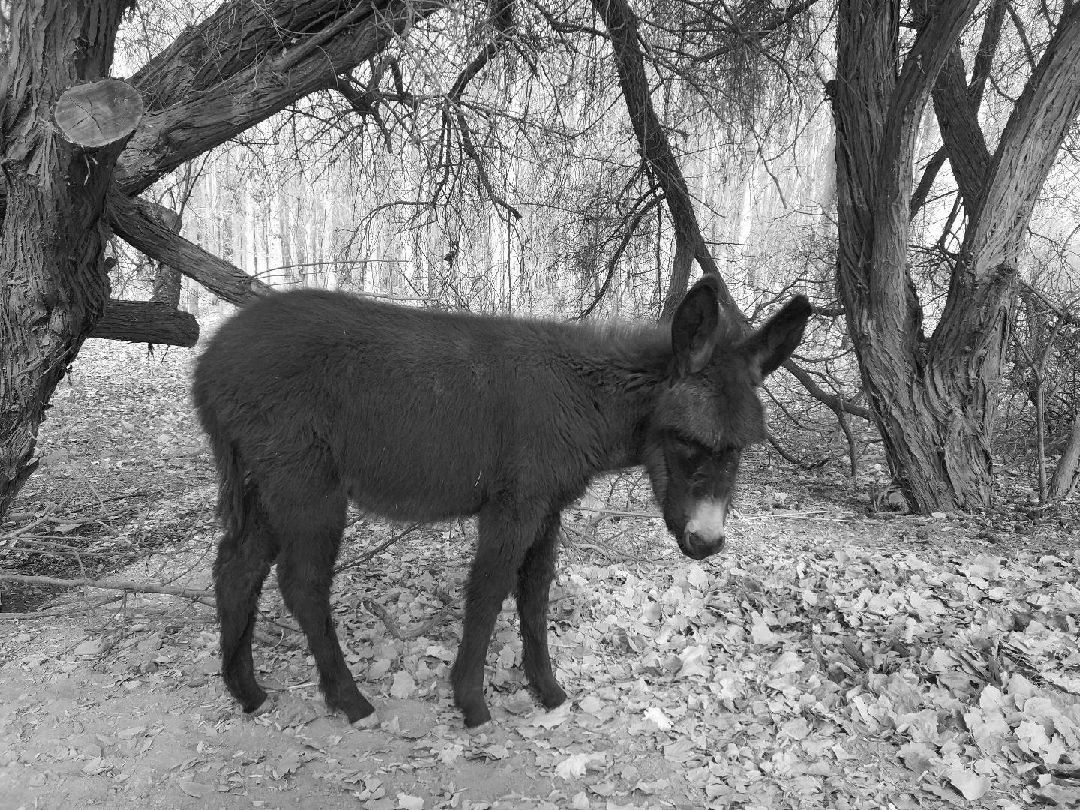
<point>695,328</point>
<point>772,344</point>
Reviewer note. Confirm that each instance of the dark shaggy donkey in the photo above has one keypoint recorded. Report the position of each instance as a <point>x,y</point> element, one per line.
<point>311,398</point>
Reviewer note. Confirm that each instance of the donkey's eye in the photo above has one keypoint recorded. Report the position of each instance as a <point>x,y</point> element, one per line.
<point>688,446</point>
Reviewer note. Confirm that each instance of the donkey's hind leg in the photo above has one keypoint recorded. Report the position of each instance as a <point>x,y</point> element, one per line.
<point>534,580</point>
<point>506,531</point>
<point>243,561</point>
<point>310,536</point>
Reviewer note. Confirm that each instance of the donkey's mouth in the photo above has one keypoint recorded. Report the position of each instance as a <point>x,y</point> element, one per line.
<point>697,547</point>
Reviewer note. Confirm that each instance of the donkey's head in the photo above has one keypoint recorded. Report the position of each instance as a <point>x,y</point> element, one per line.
<point>711,412</point>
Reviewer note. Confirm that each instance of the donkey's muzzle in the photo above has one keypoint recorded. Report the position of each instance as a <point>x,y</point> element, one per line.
<point>696,547</point>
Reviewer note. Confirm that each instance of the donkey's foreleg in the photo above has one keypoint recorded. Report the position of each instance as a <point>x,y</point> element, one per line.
<point>504,538</point>
<point>534,581</point>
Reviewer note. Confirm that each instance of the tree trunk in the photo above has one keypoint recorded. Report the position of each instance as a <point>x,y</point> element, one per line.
<point>934,399</point>
<point>166,279</point>
<point>1067,473</point>
<point>53,281</point>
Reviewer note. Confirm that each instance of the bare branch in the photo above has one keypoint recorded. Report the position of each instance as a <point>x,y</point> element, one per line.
<point>138,223</point>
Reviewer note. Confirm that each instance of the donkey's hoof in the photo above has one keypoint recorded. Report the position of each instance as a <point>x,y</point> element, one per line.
<point>253,702</point>
<point>476,716</point>
<point>259,709</point>
<point>355,710</point>
<point>552,697</point>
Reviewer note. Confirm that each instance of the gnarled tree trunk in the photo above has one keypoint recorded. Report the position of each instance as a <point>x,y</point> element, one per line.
<point>53,281</point>
<point>934,398</point>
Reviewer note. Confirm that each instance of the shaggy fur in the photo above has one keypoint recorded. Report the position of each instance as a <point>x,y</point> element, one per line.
<point>311,398</point>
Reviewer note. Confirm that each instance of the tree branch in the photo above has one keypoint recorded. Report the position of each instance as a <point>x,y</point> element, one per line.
<point>259,85</point>
<point>890,285</point>
<point>655,150</point>
<point>834,403</point>
<point>958,119</point>
<point>146,322</point>
<point>116,585</point>
<point>139,224</point>
<point>1041,119</point>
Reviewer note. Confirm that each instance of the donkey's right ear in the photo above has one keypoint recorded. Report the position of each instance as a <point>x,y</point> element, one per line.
<point>772,344</point>
<point>695,328</point>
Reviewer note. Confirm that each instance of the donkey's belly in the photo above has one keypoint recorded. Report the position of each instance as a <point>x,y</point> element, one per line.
<point>422,499</point>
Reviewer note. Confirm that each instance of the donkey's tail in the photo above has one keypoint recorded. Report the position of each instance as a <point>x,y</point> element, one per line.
<point>236,492</point>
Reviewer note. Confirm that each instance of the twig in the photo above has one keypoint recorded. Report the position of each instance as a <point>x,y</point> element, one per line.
<point>116,585</point>
<point>616,513</point>
<point>394,628</point>
<point>378,549</point>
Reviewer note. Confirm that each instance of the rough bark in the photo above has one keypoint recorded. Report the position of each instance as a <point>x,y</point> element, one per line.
<point>877,105</point>
<point>146,322</point>
<point>934,400</point>
<point>53,281</point>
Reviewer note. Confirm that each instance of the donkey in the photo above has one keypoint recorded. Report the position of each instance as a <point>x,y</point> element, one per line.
<point>311,398</point>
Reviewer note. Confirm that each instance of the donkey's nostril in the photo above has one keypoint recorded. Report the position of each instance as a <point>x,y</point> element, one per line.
<point>698,548</point>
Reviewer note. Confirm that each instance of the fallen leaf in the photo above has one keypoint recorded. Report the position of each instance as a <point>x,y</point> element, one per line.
<point>575,765</point>
<point>656,715</point>
<point>553,718</point>
<point>787,663</point>
<point>403,686</point>
<point>759,630</point>
<point>968,783</point>
<point>197,790</point>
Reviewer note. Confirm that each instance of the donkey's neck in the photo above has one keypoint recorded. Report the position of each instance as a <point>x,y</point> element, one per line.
<point>625,373</point>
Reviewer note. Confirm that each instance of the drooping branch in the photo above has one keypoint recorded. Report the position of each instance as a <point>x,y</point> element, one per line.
<point>664,167</point>
<point>487,53</point>
<point>139,224</point>
<point>622,27</point>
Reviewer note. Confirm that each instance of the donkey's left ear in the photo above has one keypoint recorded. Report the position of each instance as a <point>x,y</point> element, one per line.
<point>694,329</point>
<point>772,344</point>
